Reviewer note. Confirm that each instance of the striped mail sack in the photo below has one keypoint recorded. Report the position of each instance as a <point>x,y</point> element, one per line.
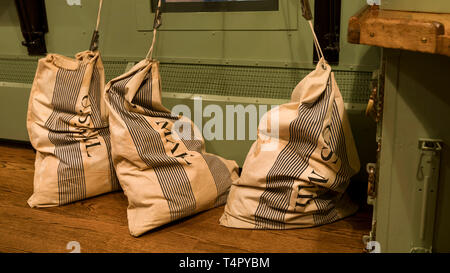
<point>164,172</point>
<point>67,124</point>
<point>296,176</point>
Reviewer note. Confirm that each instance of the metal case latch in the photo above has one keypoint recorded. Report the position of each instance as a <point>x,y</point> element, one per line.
<point>425,194</point>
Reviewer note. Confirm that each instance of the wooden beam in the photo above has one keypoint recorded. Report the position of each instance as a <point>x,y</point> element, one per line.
<point>354,26</point>
<point>414,31</point>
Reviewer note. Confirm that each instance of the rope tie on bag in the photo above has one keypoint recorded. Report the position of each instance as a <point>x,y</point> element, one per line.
<point>156,24</point>
<point>306,13</point>
<point>95,35</point>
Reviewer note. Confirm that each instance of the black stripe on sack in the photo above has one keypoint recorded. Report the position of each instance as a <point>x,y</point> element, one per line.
<point>143,98</point>
<point>103,128</point>
<point>305,196</point>
<point>70,172</point>
<point>340,148</point>
<point>221,175</point>
<point>171,175</point>
<point>95,100</point>
<point>327,212</point>
<point>304,132</point>
<point>218,170</point>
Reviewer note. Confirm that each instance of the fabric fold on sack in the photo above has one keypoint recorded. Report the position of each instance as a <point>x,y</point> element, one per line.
<point>67,123</point>
<point>296,173</point>
<point>160,158</point>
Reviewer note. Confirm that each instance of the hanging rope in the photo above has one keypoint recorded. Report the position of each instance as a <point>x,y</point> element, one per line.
<point>316,41</point>
<point>156,24</point>
<point>306,12</point>
<point>95,35</point>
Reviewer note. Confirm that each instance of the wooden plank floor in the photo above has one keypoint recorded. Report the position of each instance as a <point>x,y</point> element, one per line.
<point>100,224</point>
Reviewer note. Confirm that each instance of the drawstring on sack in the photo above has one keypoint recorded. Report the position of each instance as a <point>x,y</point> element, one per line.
<point>156,24</point>
<point>316,42</point>
<point>95,35</point>
<point>306,13</point>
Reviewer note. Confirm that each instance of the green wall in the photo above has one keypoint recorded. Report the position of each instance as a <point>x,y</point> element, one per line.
<point>278,38</point>
<point>416,106</point>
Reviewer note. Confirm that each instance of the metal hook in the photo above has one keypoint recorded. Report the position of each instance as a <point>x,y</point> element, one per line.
<point>306,10</point>
<point>157,21</point>
<point>94,41</point>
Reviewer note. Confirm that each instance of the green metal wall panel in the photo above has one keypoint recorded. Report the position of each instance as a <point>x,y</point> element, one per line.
<point>70,29</point>
<point>283,19</point>
<point>13,111</point>
<point>416,105</point>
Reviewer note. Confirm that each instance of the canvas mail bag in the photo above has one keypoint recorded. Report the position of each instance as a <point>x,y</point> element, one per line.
<point>166,175</point>
<point>164,172</point>
<point>296,173</point>
<point>67,124</point>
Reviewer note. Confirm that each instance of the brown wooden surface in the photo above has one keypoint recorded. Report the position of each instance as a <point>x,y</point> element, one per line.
<point>414,31</point>
<point>100,224</point>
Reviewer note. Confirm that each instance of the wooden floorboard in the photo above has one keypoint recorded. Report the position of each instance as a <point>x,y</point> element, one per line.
<point>100,224</point>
